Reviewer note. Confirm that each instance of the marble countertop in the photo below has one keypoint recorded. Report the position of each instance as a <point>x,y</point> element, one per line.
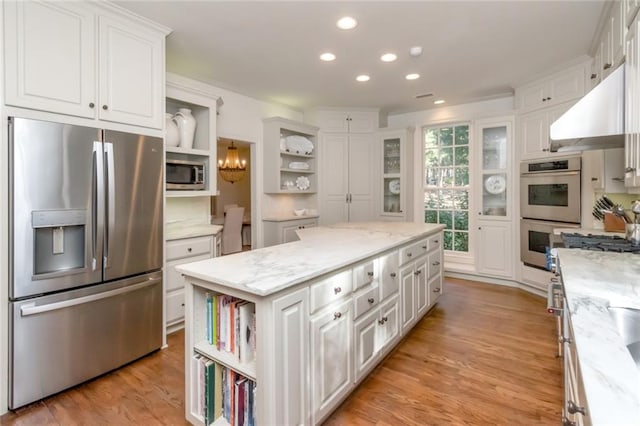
<point>321,250</point>
<point>593,281</point>
<point>189,229</point>
<point>283,217</point>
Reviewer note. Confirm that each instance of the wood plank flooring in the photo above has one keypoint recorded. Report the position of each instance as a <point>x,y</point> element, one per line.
<point>485,355</point>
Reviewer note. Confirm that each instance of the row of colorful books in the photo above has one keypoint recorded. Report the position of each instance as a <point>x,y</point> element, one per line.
<point>220,391</point>
<point>231,325</point>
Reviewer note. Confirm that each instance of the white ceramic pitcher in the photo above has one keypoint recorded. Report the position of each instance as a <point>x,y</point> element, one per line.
<point>171,131</point>
<point>187,126</point>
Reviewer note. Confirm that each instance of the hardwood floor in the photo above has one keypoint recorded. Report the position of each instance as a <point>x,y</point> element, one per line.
<point>485,355</point>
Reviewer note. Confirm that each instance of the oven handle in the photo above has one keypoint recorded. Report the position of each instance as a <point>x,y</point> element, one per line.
<point>553,174</point>
<point>551,292</point>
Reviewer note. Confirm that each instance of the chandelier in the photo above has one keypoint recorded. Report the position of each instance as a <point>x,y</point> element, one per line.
<point>232,169</point>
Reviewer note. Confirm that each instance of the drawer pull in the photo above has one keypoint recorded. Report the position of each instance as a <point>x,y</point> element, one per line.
<point>393,274</point>
<point>418,272</point>
<point>572,408</point>
<point>371,300</point>
<point>337,290</point>
<point>383,320</point>
<point>337,315</point>
<point>436,290</point>
<point>182,304</point>
<point>189,250</point>
<point>370,273</point>
<point>409,254</point>
<point>425,247</point>
<point>435,263</point>
<point>436,241</point>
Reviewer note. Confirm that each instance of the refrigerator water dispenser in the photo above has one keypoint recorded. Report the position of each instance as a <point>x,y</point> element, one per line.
<point>59,240</point>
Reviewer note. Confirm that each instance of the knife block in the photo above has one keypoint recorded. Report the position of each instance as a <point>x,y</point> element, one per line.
<point>613,223</point>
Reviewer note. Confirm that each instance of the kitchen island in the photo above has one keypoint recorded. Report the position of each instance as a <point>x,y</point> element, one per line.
<point>327,309</point>
<point>594,281</point>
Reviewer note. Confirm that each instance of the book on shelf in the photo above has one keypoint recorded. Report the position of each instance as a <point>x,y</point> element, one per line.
<point>231,325</point>
<point>246,349</point>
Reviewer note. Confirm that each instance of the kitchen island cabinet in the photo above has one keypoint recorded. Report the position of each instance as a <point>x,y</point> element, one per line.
<point>315,301</point>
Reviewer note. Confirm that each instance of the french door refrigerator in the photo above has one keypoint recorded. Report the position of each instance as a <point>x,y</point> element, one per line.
<point>85,288</point>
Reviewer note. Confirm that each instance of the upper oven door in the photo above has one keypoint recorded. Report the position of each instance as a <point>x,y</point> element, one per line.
<point>550,196</point>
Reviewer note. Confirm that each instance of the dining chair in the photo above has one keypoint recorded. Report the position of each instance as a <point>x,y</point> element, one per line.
<point>228,206</point>
<point>231,230</point>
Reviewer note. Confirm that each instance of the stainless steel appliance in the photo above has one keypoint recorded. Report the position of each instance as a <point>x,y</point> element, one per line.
<point>85,289</point>
<point>185,175</point>
<point>534,240</point>
<point>550,189</point>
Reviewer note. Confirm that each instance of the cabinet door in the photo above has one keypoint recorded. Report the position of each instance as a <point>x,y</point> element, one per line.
<point>435,289</point>
<point>289,233</point>
<point>632,108</point>
<point>532,97</point>
<point>389,322</point>
<point>566,86</point>
<point>49,56</point>
<point>331,374</point>
<point>596,67</point>
<point>175,307</point>
<point>619,31</point>
<point>131,68</point>
<point>174,278</point>
<point>495,248</point>
<point>389,275</point>
<point>361,152</point>
<point>364,335</point>
<point>534,130</point>
<point>362,122</point>
<point>407,296</point>
<point>422,293</point>
<point>495,165</point>
<point>291,322</point>
<point>335,179</point>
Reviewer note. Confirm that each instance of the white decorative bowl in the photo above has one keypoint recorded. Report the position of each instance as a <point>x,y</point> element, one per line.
<point>299,212</point>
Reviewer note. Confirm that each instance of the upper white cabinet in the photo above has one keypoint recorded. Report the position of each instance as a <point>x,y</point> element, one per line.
<point>631,108</point>
<point>91,60</point>
<point>630,10</point>
<point>396,179</point>
<point>604,170</point>
<point>290,150</point>
<point>551,91</point>
<point>202,101</point>
<point>347,122</point>
<point>533,131</point>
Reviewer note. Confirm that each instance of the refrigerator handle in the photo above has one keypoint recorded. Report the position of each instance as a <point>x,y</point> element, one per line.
<point>98,203</point>
<point>111,201</point>
<point>32,309</point>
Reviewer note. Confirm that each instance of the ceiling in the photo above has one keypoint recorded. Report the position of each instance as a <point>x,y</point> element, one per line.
<point>472,50</point>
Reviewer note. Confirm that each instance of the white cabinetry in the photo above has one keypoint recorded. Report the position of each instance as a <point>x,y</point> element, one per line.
<point>605,170</point>
<point>347,157</point>
<point>182,92</point>
<point>396,149</point>
<point>495,191</point>
<point>533,129</point>
<point>284,165</point>
<point>182,251</point>
<point>280,232</point>
<point>632,108</point>
<point>551,91</point>
<point>630,10</point>
<point>91,60</point>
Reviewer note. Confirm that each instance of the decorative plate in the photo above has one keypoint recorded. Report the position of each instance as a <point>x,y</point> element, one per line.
<point>394,186</point>
<point>299,145</point>
<point>302,183</point>
<point>298,165</point>
<point>495,184</point>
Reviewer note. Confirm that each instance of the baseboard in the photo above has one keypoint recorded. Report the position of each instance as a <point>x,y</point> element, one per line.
<point>497,281</point>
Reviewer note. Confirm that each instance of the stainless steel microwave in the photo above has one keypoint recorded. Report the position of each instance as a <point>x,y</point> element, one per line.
<point>185,175</point>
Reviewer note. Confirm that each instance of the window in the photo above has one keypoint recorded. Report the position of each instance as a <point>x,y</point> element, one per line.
<point>446,190</point>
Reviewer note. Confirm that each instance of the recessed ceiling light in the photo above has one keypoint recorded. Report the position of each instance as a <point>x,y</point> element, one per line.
<point>415,51</point>
<point>347,23</point>
<point>412,76</point>
<point>388,57</point>
<point>362,78</point>
<point>439,101</point>
<point>328,57</point>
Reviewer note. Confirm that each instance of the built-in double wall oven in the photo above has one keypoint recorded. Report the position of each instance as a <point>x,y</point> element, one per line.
<point>549,198</point>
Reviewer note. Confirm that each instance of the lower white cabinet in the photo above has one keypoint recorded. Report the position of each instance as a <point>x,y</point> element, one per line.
<point>408,291</point>
<point>495,248</point>
<point>182,251</point>
<point>331,374</point>
<point>280,232</point>
<point>365,334</point>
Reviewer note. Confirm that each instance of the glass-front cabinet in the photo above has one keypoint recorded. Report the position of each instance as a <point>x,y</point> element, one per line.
<point>392,181</point>
<point>494,142</point>
<point>395,147</point>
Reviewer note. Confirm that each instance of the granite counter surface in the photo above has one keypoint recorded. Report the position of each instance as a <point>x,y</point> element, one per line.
<point>321,250</point>
<point>593,281</point>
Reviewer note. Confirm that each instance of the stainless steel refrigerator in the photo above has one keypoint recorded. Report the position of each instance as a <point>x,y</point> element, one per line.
<point>85,288</point>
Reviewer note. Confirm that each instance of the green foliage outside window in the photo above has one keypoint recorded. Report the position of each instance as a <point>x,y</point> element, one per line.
<point>446,195</point>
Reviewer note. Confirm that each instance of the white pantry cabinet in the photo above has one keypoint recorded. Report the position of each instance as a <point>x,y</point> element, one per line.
<point>92,60</point>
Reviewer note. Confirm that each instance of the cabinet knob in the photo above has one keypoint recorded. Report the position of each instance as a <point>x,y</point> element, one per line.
<point>435,263</point>
<point>606,66</point>
<point>91,104</point>
<point>371,300</point>
<point>385,319</point>
<point>189,249</point>
<point>572,408</point>
<point>629,169</point>
<point>380,322</point>
<point>337,290</point>
<point>594,76</point>
<point>337,315</point>
<point>418,272</point>
<point>545,149</point>
<point>436,290</point>
<point>182,304</point>
<point>479,228</point>
<point>409,254</point>
<point>594,179</point>
<point>104,107</point>
<point>370,273</point>
<point>544,99</point>
<point>479,213</point>
<point>548,98</point>
<point>436,241</point>
<point>393,275</point>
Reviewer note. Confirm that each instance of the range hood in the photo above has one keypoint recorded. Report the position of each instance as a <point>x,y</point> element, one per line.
<point>596,121</point>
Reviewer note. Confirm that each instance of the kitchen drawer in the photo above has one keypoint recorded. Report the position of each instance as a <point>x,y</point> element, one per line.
<point>174,279</point>
<point>435,290</point>
<point>363,274</point>
<point>389,275</point>
<point>413,251</point>
<point>435,242</point>
<point>365,300</point>
<point>175,306</point>
<point>330,289</point>
<point>435,264</point>
<point>188,247</point>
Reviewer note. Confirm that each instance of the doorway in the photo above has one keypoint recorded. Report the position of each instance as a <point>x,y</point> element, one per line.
<point>238,193</point>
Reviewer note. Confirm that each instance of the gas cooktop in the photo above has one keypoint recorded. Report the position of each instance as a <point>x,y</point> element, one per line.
<point>599,243</point>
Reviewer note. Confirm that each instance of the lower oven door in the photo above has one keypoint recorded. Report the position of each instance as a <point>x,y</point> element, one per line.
<point>534,240</point>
